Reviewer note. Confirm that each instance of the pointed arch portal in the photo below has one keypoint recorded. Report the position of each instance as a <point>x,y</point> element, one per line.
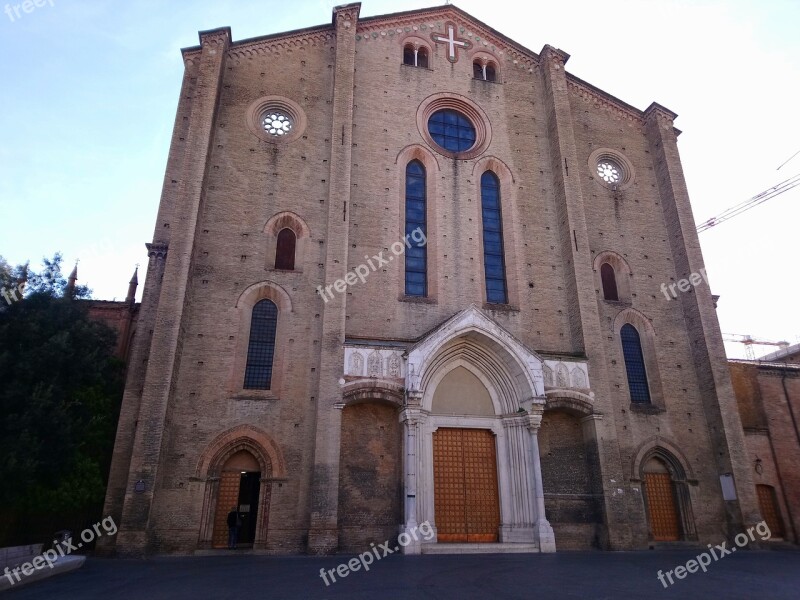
<point>472,468</point>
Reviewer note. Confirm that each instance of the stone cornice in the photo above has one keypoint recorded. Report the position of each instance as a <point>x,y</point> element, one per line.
<point>433,20</point>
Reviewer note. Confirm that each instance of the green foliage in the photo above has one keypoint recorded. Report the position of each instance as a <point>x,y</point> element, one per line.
<point>60,389</point>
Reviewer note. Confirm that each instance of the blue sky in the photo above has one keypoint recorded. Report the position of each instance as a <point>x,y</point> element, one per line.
<point>88,92</point>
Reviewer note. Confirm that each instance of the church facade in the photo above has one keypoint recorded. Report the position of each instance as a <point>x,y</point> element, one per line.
<point>406,277</point>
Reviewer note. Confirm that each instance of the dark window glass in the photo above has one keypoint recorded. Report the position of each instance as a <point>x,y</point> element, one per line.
<point>284,252</point>
<point>493,259</point>
<point>491,74</point>
<point>609,280</point>
<point>634,364</point>
<point>408,56</point>
<point>422,57</point>
<point>451,130</point>
<point>416,255</point>
<point>477,70</point>
<point>261,350</point>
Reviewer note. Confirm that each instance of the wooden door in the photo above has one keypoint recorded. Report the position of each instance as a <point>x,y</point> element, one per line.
<point>662,507</point>
<point>228,496</point>
<point>466,500</point>
<point>769,510</point>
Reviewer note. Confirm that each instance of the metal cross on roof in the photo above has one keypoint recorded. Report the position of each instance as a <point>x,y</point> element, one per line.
<point>453,43</point>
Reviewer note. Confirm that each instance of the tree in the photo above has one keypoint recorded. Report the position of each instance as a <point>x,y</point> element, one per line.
<point>60,390</point>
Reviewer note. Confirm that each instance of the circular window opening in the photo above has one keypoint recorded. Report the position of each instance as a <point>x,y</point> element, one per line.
<point>451,130</point>
<point>277,123</point>
<point>609,171</point>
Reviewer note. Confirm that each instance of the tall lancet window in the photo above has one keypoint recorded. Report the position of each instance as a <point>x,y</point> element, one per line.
<point>261,350</point>
<point>493,257</point>
<point>416,254</point>
<point>634,364</point>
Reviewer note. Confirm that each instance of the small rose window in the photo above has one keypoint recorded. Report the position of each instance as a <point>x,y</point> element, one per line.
<point>609,171</point>
<point>277,123</point>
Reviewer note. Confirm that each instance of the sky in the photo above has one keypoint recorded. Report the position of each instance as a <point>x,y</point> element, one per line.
<point>89,89</point>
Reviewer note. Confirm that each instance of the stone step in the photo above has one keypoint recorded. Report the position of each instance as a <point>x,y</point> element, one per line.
<point>497,548</point>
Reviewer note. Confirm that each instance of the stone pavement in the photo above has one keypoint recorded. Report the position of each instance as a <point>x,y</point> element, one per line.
<point>771,575</point>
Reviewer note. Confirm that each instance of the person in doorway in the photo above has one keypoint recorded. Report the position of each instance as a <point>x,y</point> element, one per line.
<point>234,523</point>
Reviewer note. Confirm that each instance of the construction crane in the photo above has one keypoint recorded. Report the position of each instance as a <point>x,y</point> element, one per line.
<point>749,341</point>
<point>775,190</point>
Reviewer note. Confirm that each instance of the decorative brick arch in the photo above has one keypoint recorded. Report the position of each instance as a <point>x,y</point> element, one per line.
<point>294,222</point>
<point>681,473</point>
<point>572,402</point>
<point>417,43</point>
<point>370,390</point>
<point>420,153</point>
<point>263,290</point>
<point>209,469</point>
<point>432,168</point>
<point>244,437</point>
<point>622,274</point>
<point>647,337</point>
<point>510,216</point>
<point>486,58</point>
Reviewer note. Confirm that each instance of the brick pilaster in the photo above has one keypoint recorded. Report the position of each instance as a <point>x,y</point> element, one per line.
<point>323,533</point>
<point>702,325</point>
<point>585,328</point>
<point>164,356</point>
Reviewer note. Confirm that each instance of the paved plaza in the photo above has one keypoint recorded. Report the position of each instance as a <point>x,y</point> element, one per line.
<point>771,575</point>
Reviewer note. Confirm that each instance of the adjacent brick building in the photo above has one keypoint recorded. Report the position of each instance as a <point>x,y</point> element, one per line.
<point>406,270</point>
<point>768,395</point>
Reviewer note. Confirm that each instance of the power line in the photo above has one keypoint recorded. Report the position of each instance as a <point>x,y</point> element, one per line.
<point>788,159</point>
<point>775,190</point>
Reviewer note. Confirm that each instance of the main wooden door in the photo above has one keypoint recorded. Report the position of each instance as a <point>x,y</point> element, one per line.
<point>466,501</point>
<point>662,507</point>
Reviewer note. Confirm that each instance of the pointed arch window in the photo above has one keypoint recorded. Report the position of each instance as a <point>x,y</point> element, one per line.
<point>416,255</point>
<point>634,364</point>
<point>261,348</point>
<point>493,257</point>
<point>285,249</point>
<point>609,280</point>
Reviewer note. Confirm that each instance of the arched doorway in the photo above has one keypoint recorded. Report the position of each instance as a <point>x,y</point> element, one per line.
<point>466,500</point>
<point>242,448</point>
<point>662,505</point>
<point>239,489</point>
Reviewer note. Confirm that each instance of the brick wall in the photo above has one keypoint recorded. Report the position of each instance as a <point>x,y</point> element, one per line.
<point>370,478</point>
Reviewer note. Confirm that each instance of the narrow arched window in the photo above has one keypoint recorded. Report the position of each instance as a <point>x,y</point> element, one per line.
<point>493,258</point>
<point>477,70</point>
<point>408,55</point>
<point>261,349</point>
<point>416,232</point>
<point>491,72</point>
<point>284,251</point>
<point>609,280</point>
<point>422,57</point>
<point>634,364</point>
